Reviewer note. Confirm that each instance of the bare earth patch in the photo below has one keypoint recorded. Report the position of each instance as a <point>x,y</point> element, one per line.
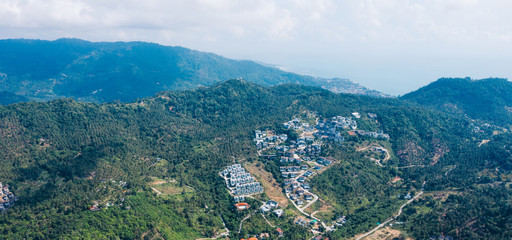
<point>158,182</point>
<point>396,179</point>
<point>384,234</point>
<point>483,142</point>
<point>321,209</point>
<point>272,188</point>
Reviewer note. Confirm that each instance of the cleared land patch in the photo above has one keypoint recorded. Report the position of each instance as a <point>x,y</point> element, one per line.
<point>384,234</point>
<point>272,188</point>
<point>171,187</point>
<point>321,209</point>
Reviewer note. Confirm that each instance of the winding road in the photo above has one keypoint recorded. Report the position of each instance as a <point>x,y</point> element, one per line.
<point>157,192</point>
<point>224,234</point>
<point>270,224</point>
<point>377,161</point>
<point>315,198</point>
<point>242,222</point>
<point>391,218</point>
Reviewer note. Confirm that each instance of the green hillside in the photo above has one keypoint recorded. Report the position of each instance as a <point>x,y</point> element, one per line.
<point>65,159</point>
<point>487,99</point>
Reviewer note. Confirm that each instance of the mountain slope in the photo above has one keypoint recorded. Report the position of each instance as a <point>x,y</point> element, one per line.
<point>62,157</point>
<point>9,98</point>
<point>43,70</point>
<point>486,99</point>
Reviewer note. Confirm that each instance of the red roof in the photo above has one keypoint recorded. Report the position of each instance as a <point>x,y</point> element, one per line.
<point>242,206</point>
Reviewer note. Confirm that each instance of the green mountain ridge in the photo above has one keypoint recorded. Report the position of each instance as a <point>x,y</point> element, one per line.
<point>108,71</point>
<point>486,99</point>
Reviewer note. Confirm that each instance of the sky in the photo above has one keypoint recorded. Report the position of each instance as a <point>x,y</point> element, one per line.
<point>394,46</point>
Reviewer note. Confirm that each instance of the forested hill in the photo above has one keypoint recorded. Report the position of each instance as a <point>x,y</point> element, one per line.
<point>486,99</point>
<point>107,71</point>
<point>66,159</point>
<point>8,98</point>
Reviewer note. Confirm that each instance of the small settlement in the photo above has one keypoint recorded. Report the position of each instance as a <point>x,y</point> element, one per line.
<point>114,186</point>
<point>301,158</point>
<point>7,198</point>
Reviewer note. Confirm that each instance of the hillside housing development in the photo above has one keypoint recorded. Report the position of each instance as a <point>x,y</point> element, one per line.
<point>240,183</point>
<point>300,157</point>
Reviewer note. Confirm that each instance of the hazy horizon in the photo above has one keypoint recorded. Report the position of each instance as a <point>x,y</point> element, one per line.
<point>391,46</point>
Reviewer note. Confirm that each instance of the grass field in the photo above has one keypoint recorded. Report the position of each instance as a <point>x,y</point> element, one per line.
<point>168,187</point>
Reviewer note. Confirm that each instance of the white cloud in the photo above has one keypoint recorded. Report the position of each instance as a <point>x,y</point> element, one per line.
<point>374,20</point>
<point>285,32</point>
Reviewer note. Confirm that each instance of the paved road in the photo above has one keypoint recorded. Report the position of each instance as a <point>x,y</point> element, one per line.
<point>270,224</point>
<point>392,218</point>
<point>224,234</point>
<point>411,166</point>
<point>315,198</point>
<point>157,192</point>
<point>242,222</point>
<point>388,156</point>
<point>377,161</point>
<point>309,215</point>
